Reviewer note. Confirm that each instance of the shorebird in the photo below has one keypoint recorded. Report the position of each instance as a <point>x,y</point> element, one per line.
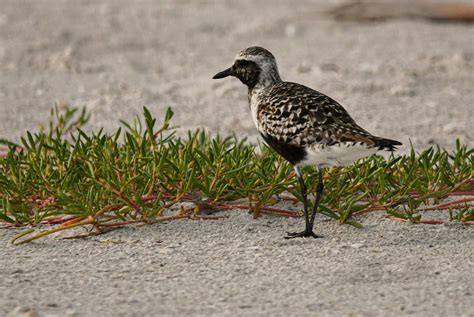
<point>304,126</point>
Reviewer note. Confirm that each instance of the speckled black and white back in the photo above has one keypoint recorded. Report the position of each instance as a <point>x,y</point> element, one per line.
<point>303,125</point>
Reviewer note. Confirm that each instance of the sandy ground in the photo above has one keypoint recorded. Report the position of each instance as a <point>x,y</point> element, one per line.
<point>243,267</point>
<point>402,79</point>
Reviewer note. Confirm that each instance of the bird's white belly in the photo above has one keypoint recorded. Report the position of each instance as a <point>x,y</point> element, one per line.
<point>341,154</point>
<point>254,107</point>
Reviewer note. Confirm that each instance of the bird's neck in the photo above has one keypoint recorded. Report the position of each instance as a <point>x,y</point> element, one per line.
<point>265,80</point>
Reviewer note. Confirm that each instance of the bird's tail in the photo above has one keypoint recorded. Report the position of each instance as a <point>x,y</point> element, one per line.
<point>386,144</point>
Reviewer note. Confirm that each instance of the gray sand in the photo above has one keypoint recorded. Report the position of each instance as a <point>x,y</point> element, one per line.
<point>243,267</point>
<point>402,79</point>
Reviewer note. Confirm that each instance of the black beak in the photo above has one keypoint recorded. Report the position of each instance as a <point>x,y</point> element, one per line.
<point>223,74</point>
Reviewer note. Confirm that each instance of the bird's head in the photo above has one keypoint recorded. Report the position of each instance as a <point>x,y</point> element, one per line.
<point>254,66</point>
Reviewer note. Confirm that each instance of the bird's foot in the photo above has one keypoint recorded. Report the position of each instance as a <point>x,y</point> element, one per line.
<point>306,233</point>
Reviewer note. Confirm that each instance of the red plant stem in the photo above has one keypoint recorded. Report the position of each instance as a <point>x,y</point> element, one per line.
<point>374,208</point>
<point>461,193</point>
<point>415,194</point>
<point>118,224</point>
<point>119,176</point>
<point>166,218</point>
<point>282,212</point>
<point>211,217</point>
<point>149,198</point>
<point>447,207</point>
<point>448,204</point>
<point>56,221</point>
<point>152,197</point>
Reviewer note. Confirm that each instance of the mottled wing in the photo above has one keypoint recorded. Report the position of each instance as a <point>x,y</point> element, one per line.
<point>297,115</point>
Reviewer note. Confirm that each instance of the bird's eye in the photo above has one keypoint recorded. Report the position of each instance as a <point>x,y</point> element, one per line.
<point>242,63</point>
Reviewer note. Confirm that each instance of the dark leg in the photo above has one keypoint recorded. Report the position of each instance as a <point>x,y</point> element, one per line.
<point>319,192</point>
<point>304,194</point>
<point>308,232</point>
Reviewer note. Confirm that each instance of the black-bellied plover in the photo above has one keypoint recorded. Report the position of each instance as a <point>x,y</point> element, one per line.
<point>303,125</point>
